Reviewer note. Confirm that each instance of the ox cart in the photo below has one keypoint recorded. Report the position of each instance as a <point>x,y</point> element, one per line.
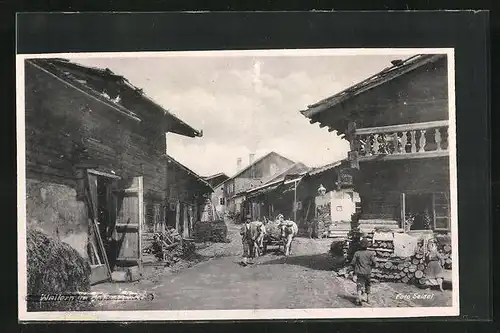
<point>272,237</point>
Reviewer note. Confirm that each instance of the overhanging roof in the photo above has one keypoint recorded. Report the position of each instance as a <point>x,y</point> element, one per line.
<point>399,68</point>
<point>198,178</point>
<point>60,67</point>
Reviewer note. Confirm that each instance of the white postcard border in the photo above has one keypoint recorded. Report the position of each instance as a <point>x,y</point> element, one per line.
<point>258,314</point>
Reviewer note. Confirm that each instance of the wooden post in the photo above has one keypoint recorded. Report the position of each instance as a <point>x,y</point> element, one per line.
<point>178,217</point>
<point>185,229</point>
<point>403,212</point>
<point>295,201</point>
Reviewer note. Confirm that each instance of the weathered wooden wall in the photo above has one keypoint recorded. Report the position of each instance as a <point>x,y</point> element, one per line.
<point>380,184</point>
<point>61,122</point>
<point>65,127</point>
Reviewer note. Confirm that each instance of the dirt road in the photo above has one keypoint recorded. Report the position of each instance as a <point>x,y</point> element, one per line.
<point>303,280</point>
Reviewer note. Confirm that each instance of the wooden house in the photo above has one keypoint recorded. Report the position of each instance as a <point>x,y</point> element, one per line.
<point>397,124</point>
<point>217,199</point>
<point>96,162</point>
<point>296,196</point>
<point>255,174</point>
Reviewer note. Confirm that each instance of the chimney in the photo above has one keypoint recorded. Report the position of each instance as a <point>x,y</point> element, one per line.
<point>250,158</point>
<point>238,164</point>
<point>250,161</point>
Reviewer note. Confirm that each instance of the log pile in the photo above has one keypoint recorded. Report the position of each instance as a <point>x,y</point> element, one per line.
<point>169,247</point>
<point>211,231</point>
<point>351,245</point>
<point>444,248</point>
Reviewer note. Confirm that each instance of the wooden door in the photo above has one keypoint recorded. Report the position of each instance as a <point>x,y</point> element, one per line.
<point>99,265</point>
<point>129,221</point>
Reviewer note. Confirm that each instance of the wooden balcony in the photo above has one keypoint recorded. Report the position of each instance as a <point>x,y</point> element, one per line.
<point>416,140</point>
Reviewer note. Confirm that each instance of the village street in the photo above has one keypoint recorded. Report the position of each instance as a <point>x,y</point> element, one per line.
<point>303,280</point>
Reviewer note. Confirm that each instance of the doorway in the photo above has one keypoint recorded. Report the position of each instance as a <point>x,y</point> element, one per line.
<point>419,209</point>
<point>427,210</point>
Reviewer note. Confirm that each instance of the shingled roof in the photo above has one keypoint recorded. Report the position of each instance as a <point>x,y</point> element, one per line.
<point>67,71</point>
<point>398,68</point>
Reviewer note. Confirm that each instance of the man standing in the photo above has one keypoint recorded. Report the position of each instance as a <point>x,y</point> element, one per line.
<point>246,242</point>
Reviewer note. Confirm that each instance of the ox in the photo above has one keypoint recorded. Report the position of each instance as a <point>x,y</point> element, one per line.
<point>289,230</point>
<point>257,234</point>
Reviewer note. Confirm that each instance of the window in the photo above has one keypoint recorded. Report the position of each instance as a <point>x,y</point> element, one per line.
<point>441,211</point>
<point>221,201</point>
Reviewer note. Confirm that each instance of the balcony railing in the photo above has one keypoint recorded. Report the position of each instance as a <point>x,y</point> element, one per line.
<point>403,141</point>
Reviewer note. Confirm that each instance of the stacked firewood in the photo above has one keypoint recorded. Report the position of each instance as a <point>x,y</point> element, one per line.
<point>169,247</point>
<point>390,268</point>
<point>444,248</point>
<point>406,270</point>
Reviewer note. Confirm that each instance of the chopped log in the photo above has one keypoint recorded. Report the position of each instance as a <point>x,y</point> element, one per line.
<point>412,268</point>
<point>405,270</point>
<point>419,255</point>
<point>421,281</point>
<point>401,267</point>
<point>383,244</point>
<point>421,267</point>
<point>169,246</point>
<point>388,265</point>
<point>419,274</point>
<point>406,263</point>
<point>410,275</point>
<point>447,248</point>
<point>415,261</point>
<point>405,279</point>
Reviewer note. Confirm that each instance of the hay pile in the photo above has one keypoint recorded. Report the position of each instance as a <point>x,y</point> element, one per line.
<point>54,267</point>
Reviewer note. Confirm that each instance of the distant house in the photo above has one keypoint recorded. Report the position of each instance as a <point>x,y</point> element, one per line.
<point>268,204</point>
<point>97,171</point>
<point>255,174</point>
<point>187,193</point>
<point>397,123</point>
<point>217,198</point>
<point>295,195</point>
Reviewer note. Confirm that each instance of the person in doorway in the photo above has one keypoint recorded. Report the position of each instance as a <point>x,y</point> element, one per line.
<point>362,262</point>
<point>434,269</point>
<point>246,242</point>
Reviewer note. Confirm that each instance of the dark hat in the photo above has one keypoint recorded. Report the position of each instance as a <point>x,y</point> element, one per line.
<point>364,243</point>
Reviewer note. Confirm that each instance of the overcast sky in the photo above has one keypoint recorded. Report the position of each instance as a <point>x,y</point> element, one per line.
<point>246,104</point>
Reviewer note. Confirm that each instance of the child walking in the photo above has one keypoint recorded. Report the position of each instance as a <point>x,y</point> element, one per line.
<point>363,261</point>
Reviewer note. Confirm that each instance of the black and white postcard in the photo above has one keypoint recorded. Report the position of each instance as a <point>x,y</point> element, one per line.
<point>257,184</point>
